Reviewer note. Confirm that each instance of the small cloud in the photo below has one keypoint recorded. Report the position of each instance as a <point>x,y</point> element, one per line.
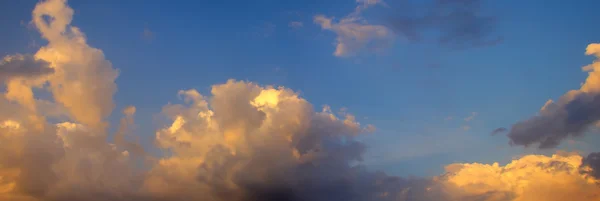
<point>148,35</point>
<point>24,66</point>
<point>264,30</point>
<point>498,130</point>
<point>296,24</point>
<point>466,128</point>
<point>269,29</point>
<point>449,118</point>
<point>457,24</point>
<point>370,129</point>
<point>343,111</point>
<point>354,33</point>
<point>593,162</point>
<point>471,117</point>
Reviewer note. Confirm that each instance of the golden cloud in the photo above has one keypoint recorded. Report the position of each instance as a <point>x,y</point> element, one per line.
<point>243,142</point>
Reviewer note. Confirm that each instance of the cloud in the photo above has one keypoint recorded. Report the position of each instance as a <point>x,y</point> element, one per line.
<point>498,130</point>
<point>83,81</point>
<point>148,35</point>
<point>23,66</point>
<point>570,116</point>
<point>458,24</point>
<point>265,30</point>
<point>258,143</point>
<point>592,164</point>
<point>531,177</point>
<point>296,24</point>
<point>354,33</point>
<point>471,117</point>
<point>243,142</point>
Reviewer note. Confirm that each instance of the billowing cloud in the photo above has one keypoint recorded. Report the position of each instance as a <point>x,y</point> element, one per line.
<point>241,142</point>
<point>529,178</point>
<point>83,80</point>
<point>592,161</point>
<point>354,33</point>
<point>570,116</point>
<point>23,66</point>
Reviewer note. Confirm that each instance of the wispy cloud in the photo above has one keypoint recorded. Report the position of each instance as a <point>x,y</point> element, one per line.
<point>458,24</point>
<point>471,117</point>
<point>498,131</point>
<point>296,24</point>
<point>354,33</point>
<point>148,35</point>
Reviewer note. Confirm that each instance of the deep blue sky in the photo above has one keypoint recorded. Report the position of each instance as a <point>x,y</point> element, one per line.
<point>408,92</point>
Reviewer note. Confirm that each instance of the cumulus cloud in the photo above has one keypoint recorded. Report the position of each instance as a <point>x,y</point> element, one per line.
<point>242,142</point>
<point>354,33</point>
<point>592,162</point>
<point>570,116</point>
<point>24,66</point>
<point>532,177</point>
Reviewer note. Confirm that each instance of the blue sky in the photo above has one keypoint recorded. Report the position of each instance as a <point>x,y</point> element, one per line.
<point>417,94</point>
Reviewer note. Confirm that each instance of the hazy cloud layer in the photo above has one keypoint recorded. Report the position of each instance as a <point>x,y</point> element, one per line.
<point>296,24</point>
<point>457,24</point>
<point>570,116</point>
<point>242,142</point>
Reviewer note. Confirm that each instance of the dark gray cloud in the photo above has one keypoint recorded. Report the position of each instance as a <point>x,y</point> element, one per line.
<point>498,131</point>
<point>23,66</point>
<point>571,116</point>
<point>459,24</point>
<point>567,118</point>
<point>593,161</point>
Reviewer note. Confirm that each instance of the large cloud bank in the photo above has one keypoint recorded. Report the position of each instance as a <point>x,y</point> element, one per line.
<point>243,142</point>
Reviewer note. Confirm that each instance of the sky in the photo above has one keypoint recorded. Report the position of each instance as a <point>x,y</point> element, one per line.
<point>415,89</point>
